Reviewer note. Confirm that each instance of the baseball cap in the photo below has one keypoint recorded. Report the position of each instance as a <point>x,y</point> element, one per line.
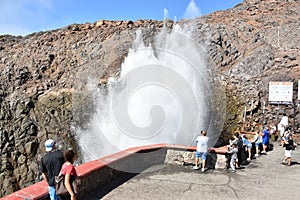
<point>49,144</point>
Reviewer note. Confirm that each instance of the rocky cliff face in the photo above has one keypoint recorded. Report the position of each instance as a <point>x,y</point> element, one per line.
<point>248,45</point>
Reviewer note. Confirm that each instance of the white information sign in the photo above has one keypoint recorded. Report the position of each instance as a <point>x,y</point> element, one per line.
<point>280,92</point>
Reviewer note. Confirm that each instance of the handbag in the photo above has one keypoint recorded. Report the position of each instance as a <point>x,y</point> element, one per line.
<point>60,187</point>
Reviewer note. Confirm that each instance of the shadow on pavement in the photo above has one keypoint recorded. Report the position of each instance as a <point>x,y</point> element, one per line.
<point>121,179</point>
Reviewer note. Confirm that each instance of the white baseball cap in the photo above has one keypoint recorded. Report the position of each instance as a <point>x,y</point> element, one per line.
<point>49,144</point>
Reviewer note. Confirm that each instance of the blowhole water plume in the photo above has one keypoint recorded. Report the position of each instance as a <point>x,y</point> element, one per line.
<point>192,11</point>
<point>166,12</point>
<point>163,95</point>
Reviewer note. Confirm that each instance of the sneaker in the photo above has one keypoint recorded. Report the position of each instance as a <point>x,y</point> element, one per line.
<point>248,159</point>
<point>202,169</point>
<point>195,167</point>
<point>256,155</point>
<point>264,152</point>
<point>231,170</point>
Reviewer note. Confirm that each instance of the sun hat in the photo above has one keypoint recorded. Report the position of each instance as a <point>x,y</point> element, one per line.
<point>49,144</point>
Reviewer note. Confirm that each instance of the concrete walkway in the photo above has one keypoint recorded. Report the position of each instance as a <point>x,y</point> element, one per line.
<point>263,178</point>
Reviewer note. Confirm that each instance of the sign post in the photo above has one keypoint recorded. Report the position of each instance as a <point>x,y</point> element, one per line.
<point>244,118</point>
<point>296,107</point>
<point>298,91</point>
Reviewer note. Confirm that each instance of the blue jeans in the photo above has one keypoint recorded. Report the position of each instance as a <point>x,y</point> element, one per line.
<point>232,163</point>
<point>52,193</point>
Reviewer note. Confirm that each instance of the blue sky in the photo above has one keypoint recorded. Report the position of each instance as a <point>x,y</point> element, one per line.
<point>21,17</point>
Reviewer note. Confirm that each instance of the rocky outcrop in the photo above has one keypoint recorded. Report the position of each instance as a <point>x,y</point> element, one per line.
<point>249,45</point>
<point>38,75</point>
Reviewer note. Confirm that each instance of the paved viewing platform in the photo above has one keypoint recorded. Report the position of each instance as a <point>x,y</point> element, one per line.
<point>263,178</point>
<point>164,171</point>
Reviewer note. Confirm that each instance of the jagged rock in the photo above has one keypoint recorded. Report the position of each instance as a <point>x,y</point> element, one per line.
<point>31,148</point>
<point>22,159</point>
<point>253,43</point>
<point>8,185</point>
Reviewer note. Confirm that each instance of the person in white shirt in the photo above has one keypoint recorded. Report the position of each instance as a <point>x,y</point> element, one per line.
<point>283,124</point>
<point>201,150</point>
<point>284,120</point>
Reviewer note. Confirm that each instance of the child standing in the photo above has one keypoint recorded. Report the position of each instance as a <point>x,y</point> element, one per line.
<point>257,141</point>
<point>248,146</point>
<point>233,151</point>
<point>239,142</point>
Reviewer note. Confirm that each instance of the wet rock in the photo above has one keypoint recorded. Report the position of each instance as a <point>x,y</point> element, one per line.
<point>248,46</point>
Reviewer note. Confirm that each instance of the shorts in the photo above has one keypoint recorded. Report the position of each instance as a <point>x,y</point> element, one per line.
<point>265,142</point>
<point>249,146</point>
<point>257,144</point>
<point>288,153</point>
<point>201,154</point>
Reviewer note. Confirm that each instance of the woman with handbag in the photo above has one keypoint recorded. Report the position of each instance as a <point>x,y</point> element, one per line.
<point>70,174</point>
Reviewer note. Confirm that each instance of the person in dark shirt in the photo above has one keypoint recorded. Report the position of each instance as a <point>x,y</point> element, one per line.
<point>51,164</point>
<point>233,150</point>
<point>239,142</point>
<point>289,145</point>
